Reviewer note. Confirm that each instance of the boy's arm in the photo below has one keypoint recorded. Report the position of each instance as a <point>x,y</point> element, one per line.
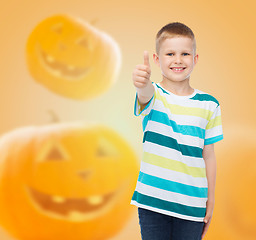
<point>210,164</point>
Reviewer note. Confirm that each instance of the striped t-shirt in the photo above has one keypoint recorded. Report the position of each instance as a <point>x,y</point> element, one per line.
<point>172,178</point>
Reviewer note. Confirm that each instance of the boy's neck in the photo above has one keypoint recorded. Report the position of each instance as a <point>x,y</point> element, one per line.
<point>182,88</point>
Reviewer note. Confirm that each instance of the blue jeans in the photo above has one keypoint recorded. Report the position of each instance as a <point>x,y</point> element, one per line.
<point>157,226</point>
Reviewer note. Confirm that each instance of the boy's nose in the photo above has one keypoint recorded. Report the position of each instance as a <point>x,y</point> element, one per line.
<point>178,59</point>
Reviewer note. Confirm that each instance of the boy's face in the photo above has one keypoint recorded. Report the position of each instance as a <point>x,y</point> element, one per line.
<point>176,58</point>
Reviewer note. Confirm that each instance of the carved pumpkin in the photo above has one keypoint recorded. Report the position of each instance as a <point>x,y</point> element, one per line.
<point>65,181</point>
<point>72,58</point>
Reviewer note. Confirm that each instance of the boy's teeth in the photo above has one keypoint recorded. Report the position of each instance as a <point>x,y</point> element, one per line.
<point>176,69</point>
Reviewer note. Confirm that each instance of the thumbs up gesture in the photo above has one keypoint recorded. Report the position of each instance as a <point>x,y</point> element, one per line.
<point>141,73</point>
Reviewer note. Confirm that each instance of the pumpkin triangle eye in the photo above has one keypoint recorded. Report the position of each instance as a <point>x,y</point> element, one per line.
<point>83,41</point>
<point>57,28</point>
<point>106,148</point>
<point>52,151</point>
<point>55,155</point>
<point>101,152</point>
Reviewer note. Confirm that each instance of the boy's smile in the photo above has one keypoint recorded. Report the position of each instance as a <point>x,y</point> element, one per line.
<point>176,58</point>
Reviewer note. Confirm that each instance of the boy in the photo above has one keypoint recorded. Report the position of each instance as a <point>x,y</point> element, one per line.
<point>176,183</point>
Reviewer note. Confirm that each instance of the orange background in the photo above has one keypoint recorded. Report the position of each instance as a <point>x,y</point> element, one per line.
<point>226,35</point>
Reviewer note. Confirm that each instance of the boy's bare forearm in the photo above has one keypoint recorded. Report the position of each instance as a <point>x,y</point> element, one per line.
<point>146,93</point>
<point>211,167</point>
<point>210,163</point>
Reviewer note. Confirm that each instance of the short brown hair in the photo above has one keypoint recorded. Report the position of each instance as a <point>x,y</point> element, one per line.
<point>174,29</point>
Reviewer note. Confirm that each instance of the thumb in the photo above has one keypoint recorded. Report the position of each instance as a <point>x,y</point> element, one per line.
<point>146,58</point>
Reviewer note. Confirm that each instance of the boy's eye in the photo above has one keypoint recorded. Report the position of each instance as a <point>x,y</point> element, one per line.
<point>171,54</point>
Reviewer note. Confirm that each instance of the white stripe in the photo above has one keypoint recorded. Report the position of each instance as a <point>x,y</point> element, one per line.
<point>171,175</point>
<point>213,132</point>
<point>166,130</point>
<point>170,196</point>
<point>218,111</point>
<point>190,120</point>
<point>197,219</point>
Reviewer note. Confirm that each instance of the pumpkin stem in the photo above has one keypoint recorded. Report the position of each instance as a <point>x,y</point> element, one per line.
<point>54,116</point>
<point>92,22</point>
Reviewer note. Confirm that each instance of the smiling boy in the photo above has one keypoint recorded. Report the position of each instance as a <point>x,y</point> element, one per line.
<point>176,184</point>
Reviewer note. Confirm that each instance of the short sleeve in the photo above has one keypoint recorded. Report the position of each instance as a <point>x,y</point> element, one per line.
<point>147,108</point>
<point>213,130</point>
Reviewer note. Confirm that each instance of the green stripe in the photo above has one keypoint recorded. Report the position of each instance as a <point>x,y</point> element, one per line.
<point>173,165</point>
<point>213,122</point>
<point>168,206</point>
<point>172,143</point>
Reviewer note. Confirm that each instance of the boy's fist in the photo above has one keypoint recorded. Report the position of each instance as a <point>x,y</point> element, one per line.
<point>141,73</point>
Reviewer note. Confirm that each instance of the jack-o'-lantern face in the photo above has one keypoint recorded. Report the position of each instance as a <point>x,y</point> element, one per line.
<point>66,179</point>
<point>53,59</point>
<point>71,57</point>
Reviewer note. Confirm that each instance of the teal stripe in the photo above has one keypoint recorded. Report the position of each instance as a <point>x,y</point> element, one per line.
<point>145,120</point>
<point>172,186</point>
<point>213,139</point>
<point>172,143</point>
<point>168,206</point>
<point>162,117</point>
<point>205,97</point>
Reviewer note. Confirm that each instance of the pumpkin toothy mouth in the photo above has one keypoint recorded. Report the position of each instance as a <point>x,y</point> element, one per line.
<point>73,209</point>
<point>61,70</point>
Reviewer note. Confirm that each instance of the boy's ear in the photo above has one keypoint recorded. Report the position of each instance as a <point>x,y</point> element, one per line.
<point>156,59</point>
<point>195,59</point>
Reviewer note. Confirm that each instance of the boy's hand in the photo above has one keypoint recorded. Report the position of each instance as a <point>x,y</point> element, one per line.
<point>208,216</point>
<point>141,73</point>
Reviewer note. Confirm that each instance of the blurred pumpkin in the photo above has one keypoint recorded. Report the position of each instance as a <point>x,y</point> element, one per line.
<point>65,181</point>
<point>235,209</point>
<point>72,58</point>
